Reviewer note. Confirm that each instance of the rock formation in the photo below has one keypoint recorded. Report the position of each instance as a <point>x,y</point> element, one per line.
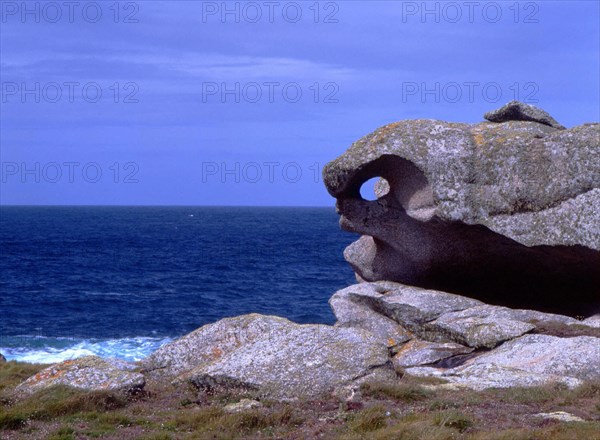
<point>507,212</point>
<point>89,373</point>
<point>273,356</point>
<point>478,232</point>
<point>470,343</point>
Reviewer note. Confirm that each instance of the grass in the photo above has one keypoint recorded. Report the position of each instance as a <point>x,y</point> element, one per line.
<point>409,409</point>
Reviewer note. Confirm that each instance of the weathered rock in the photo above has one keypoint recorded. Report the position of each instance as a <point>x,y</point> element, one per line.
<point>505,213</point>
<point>480,332</point>
<point>281,360</point>
<point>530,360</point>
<point>350,311</point>
<point>2,358</point>
<point>484,376</point>
<point>90,373</point>
<point>210,342</point>
<point>416,353</point>
<point>487,326</point>
<point>519,111</point>
<point>411,307</point>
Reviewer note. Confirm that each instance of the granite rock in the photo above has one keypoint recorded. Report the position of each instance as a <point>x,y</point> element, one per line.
<point>502,212</point>
<point>519,111</point>
<point>89,373</point>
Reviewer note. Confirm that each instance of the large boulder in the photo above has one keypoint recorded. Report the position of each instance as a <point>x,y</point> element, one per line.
<point>273,356</point>
<point>89,373</point>
<point>505,212</point>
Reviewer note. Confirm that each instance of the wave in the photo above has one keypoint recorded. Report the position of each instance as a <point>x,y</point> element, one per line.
<point>47,350</point>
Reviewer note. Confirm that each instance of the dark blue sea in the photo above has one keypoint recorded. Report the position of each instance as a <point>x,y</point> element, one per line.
<point>121,281</point>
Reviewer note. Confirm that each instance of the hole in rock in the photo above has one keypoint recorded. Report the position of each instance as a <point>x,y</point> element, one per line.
<point>466,259</point>
<point>374,188</point>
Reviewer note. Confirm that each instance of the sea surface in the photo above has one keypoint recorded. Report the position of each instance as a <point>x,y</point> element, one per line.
<point>122,281</point>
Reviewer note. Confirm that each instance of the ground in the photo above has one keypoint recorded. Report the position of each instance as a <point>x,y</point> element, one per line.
<point>411,409</point>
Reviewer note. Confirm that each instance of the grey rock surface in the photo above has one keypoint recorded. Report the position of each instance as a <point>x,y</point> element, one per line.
<point>530,360</point>
<point>89,373</point>
<point>274,356</point>
<point>210,342</point>
<point>592,321</point>
<point>503,212</point>
<point>351,311</point>
<point>519,111</point>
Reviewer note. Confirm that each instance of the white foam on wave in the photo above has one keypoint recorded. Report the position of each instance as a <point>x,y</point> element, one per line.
<point>45,350</point>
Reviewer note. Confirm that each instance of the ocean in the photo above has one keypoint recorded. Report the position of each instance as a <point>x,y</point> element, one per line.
<point>122,281</point>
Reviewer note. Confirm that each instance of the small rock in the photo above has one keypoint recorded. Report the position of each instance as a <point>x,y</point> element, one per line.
<point>90,373</point>
<point>561,416</point>
<point>519,111</point>
<point>242,405</point>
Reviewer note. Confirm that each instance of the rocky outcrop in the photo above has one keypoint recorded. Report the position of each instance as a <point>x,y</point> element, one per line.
<point>2,358</point>
<point>273,356</point>
<point>89,373</point>
<point>505,212</point>
<point>472,344</point>
<point>519,111</point>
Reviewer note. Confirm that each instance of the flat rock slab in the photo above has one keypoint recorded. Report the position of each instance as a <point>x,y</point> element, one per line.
<point>415,353</point>
<point>487,326</point>
<point>89,373</point>
<point>406,305</point>
<point>519,111</point>
<point>530,360</point>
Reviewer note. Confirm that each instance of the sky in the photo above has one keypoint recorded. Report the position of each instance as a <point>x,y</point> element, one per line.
<point>243,103</point>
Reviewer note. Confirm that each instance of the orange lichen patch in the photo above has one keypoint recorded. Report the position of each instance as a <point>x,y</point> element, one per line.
<point>47,375</point>
<point>391,342</point>
<point>384,132</point>
<point>405,347</point>
<point>478,138</point>
<point>216,352</point>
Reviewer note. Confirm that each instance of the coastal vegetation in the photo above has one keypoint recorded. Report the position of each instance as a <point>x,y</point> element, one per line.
<point>411,408</point>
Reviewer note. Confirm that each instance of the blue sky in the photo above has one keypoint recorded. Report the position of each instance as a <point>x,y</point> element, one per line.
<point>242,103</point>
